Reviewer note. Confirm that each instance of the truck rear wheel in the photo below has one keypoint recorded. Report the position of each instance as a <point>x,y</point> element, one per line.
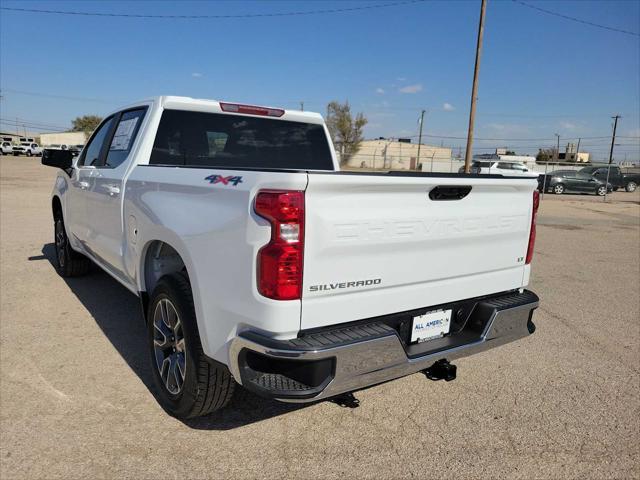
<point>69,263</point>
<point>188,383</point>
<point>631,187</point>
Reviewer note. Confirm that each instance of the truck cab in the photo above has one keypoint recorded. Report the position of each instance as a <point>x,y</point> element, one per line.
<point>616,177</point>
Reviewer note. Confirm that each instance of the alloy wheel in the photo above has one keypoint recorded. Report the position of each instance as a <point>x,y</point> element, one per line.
<point>602,191</point>
<point>61,242</point>
<point>169,346</point>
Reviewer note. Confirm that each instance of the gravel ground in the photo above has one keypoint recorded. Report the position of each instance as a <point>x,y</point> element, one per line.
<point>564,403</point>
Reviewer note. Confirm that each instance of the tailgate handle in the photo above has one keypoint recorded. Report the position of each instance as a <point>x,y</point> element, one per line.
<point>444,192</point>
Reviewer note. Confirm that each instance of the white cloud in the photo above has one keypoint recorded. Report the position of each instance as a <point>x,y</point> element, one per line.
<point>568,126</point>
<point>508,129</point>
<point>196,75</point>
<point>447,107</point>
<point>411,88</point>
<point>380,91</point>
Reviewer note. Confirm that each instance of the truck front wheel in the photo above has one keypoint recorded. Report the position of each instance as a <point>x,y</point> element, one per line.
<point>188,383</point>
<point>69,263</point>
<point>631,187</point>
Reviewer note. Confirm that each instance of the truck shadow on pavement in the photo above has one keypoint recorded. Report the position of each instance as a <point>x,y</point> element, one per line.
<point>117,313</point>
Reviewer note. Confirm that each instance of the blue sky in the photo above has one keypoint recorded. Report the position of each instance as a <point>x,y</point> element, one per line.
<point>540,74</point>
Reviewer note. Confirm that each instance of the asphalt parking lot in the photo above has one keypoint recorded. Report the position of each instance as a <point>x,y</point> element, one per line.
<point>564,403</point>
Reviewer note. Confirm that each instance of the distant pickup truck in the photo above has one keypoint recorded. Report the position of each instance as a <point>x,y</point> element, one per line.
<point>27,148</point>
<point>6,148</point>
<point>618,179</point>
<point>258,262</point>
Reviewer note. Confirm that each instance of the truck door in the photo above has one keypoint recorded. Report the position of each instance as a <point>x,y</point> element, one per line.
<point>76,213</point>
<point>104,204</point>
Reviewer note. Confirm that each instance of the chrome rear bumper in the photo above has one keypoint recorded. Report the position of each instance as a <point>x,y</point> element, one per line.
<point>366,355</point>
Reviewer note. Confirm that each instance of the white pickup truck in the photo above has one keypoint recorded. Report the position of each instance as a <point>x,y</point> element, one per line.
<point>27,148</point>
<point>258,262</point>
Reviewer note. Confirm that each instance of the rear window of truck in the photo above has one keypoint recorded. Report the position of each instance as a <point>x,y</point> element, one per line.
<point>203,139</point>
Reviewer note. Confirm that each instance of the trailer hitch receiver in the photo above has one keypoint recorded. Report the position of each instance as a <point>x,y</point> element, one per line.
<point>441,370</point>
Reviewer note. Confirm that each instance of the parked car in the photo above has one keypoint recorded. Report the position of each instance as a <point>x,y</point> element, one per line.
<point>6,148</point>
<point>618,179</point>
<point>28,149</point>
<point>76,149</point>
<point>498,167</point>
<point>561,181</point>
<point>258,262</point>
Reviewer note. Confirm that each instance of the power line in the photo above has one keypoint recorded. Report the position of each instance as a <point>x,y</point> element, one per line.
<point>578,20</point>
<point>31,122</point>
<point>34,127</point>
<point>61,97</point>
<point>193,17</point>
<point>297,103</point>
<point>505,139</point>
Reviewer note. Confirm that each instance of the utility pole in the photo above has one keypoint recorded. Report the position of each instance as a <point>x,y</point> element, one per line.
<point>613,137</point>
<point>557,147</point>
<point>474,90</point>
<point>420,137</point>
<point>302,106</point>
<point>577,159</point>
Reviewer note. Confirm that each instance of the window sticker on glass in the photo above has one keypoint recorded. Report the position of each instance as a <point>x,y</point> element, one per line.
<point>124,132</point>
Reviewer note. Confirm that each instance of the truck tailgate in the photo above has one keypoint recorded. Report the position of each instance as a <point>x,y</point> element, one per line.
<point>377,244</point>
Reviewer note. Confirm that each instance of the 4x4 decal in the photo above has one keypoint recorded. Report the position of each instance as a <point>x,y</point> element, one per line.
<point>213,179</point>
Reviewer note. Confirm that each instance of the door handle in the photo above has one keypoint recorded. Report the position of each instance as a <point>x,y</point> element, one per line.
<point>112,189</point>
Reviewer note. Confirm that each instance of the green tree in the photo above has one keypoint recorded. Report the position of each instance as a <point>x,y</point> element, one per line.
<point>86,123</point>
<point>345,130</point>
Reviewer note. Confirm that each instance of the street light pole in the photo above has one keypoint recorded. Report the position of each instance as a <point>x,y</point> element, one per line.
<point>613,137</point>
<point>474,90</point>
<point>420,138</point>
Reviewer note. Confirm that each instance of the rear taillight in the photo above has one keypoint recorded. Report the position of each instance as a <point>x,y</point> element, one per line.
<point>280,260</point>
<point>532,232</point>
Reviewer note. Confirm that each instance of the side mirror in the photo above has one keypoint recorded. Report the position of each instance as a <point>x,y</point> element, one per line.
<point>57,158</point>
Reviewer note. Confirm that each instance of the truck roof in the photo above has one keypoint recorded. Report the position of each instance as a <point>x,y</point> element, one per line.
<point>213,106</point>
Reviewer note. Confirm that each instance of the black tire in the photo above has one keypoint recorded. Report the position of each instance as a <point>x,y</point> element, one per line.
<point>631,187</point>
<point>207,385</point>
<point>69,263</point>
<point>558,189</point>
<point>29,153</point>
<point>601,191</point>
